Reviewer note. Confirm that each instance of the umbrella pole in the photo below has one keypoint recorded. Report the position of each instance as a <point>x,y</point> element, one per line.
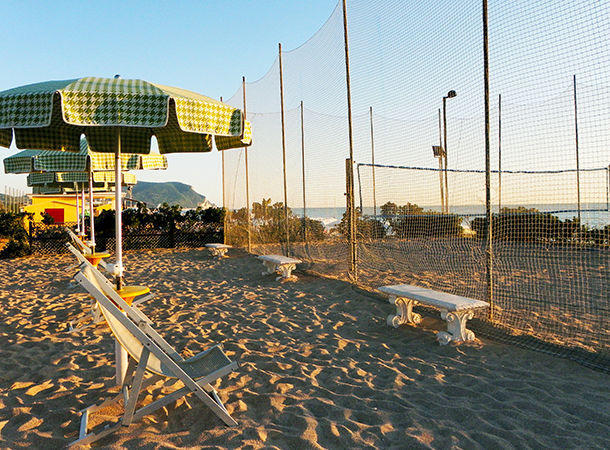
<point>118,213</point>
<point>82,202</point>
<point>91,215</point>
<point>78,228</point>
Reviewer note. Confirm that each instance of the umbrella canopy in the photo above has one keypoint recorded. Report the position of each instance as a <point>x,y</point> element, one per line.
<point>53,115</point>
<point>102,182</point>
<point>100,179</point>
<point>113,113</point>
<point>53,171</point>
<point>31,161</point>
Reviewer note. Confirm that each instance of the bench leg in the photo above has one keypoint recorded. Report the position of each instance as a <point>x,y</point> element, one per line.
<point>270,266</point>
<point>404,312</point>
<point>220,252</point>
<point>286,271</point>
<point>456,327</point>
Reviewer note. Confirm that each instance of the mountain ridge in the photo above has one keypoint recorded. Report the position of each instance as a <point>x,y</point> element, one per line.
<point>170,192</point>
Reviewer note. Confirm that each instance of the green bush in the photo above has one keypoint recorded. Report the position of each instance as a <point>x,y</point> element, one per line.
<point>12,226</point>
<point>530,225</point>
<point>15,249</point>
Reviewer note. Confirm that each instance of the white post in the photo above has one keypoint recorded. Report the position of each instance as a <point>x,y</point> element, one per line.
<point>120,353</point>
<point>77,200</point>
<point>82,202</point>
<point>91,214</point>
<point>118,213</point>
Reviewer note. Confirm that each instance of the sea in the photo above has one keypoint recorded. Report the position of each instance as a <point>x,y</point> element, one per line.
<point>593,215</point>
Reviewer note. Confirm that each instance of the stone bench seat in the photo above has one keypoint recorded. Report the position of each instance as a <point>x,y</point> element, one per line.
<point>455,310</point>
<point>279,264</point>
<point>219,250</point>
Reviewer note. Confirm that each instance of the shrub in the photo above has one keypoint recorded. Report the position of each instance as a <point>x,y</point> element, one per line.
<point>15,249</point>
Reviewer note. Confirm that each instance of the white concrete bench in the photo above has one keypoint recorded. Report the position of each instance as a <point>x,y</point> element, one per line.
<point>279,264</point>
<point>219,250</point>
<point>455,310</point>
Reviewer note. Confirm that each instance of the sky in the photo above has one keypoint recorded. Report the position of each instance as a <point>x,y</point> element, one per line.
<point>203,46</point>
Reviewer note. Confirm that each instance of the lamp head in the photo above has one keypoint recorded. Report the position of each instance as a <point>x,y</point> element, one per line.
<point>451,94</point>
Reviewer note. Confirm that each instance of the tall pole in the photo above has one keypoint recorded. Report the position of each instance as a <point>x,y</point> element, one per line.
<point>224,201</point>
<point>248,218</point>
<point>118,206</point>
<point>608,191</point>
<point>76,198</point>
<point>440,161</point>
<point>82,202</point>
<point>445,150</point>
<point>91,210</point>
<point>351,206</point>
<point>499,153</point>
<point>224,198</point>
<point>577,155</point>
<point>489,246</point>
<point>303,175</point>
<point>284,152</point>
<point>373,163</point>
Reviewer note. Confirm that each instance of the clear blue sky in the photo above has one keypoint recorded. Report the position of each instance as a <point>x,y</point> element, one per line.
<point>203,46</point>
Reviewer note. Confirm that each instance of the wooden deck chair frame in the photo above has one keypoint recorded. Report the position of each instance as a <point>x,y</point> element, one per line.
<point>152,359</point>
<point>79,243</point>
<point>86,250</point>
<point>95,314</point>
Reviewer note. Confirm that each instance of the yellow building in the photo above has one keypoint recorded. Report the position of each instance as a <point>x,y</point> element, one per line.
<point>62,207</point>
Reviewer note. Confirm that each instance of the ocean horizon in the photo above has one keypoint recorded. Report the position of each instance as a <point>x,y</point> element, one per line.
<point>593,215</point>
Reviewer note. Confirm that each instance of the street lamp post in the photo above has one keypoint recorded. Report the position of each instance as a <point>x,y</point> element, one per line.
<point>450,94</point>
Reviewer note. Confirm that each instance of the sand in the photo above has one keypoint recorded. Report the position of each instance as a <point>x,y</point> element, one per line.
<point>320,369</point>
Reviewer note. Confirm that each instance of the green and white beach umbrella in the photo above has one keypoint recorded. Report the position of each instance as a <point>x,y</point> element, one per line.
<point>53,115</point>
<point>114,114</point>
<point>32,161</point>
<point>58,171</point>
<point>69,181</point>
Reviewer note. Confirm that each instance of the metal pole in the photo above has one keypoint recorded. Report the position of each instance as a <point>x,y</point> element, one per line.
<point>118,206</point>
<point>284,154</point>
<point>91,211</point>
<point>351,207</point>
<point>82,202</point>
<point>303,176</point>
<point>440,161</point>
<point>489,246</point>
<point>499,153</point>
<point>224,201</point>
<point>577,155</point>
<point>249,219</point>
<point>445,151</point>
<point>373,162</point>
<point>608,191</point>
<point>77,205</point>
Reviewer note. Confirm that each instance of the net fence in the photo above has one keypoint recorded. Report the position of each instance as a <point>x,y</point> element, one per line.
<point>418,141</point>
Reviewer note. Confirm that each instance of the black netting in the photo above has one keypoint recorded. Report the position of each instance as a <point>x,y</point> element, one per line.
<point>418,141</point>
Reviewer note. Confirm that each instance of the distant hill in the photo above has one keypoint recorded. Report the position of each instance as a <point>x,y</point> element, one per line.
<point>172,193</point>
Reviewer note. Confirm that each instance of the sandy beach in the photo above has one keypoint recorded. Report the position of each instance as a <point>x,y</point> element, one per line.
<point>320,369</point>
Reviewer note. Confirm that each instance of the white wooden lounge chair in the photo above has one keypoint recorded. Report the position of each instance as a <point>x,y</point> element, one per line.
<point>87,250</point>
<point>78,242</point>
<point>152,359</point>
<point>95,314</point>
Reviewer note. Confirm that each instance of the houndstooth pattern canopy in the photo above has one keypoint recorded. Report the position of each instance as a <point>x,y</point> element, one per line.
<point>67,183</point>
<point>77,177</point>
<point>53,115</point>
<point>28,161</point>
